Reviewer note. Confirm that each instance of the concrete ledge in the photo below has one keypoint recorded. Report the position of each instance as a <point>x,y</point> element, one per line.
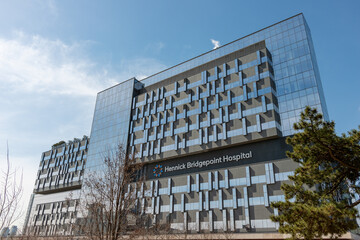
<point>213,236</point>
<point>235,236</point>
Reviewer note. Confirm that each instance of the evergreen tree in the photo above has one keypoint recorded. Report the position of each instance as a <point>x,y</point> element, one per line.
<point>318,201</point>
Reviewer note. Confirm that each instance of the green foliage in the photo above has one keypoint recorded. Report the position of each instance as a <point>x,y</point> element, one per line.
<point>317,202</point>
<point>58,144</point>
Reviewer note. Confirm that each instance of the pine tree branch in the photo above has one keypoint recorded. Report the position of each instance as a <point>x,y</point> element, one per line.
<point>331,161</point>
<point>330,150</point>
<point>353,204</point>
<point>334,187</point>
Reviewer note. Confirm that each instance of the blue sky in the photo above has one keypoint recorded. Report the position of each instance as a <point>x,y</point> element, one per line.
<point>56,55</point>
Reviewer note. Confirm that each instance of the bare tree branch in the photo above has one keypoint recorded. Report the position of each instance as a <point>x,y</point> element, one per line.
<point>10,193</point>
<point>110,200</point>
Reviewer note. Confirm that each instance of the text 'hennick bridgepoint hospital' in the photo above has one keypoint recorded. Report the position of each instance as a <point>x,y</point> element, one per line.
<point>205,163</point>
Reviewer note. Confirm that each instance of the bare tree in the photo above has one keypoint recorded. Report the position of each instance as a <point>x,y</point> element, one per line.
<point>109,198</point>
<point>10,193</point>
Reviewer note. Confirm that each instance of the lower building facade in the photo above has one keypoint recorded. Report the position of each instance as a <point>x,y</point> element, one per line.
<point>53,206</point>
<point>229,190</point>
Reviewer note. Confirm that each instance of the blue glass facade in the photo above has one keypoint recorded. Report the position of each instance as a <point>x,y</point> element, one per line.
<point>210,130</point>
<point>296,72</point>
<point>111,120</point>
<point>296,76</point>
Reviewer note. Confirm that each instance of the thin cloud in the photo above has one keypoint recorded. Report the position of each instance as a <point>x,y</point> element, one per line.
<point>140,68</point>
<point>215,43</point>
<point>48,91</point>
<point>52,6</point>
<point>36,64</point>
<point>155,47</point>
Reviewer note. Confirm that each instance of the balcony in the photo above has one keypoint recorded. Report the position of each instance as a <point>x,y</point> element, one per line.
<point>47,211</point>
<point>71,209</point>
